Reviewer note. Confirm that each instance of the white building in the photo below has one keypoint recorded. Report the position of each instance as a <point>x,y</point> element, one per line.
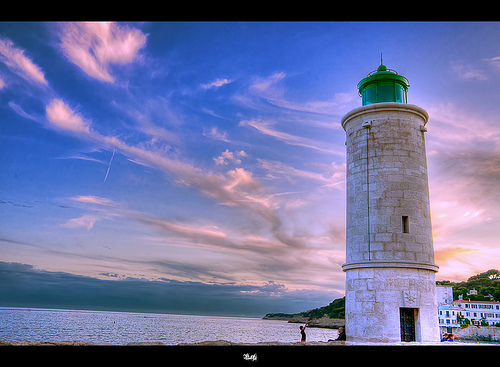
<point>452,314</point>
<point>478,311</point>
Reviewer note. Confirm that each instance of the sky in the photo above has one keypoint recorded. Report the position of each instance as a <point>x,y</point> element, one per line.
<point>207,159</point>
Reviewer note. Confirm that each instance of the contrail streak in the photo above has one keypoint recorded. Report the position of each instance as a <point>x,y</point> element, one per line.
<point>109,166</point>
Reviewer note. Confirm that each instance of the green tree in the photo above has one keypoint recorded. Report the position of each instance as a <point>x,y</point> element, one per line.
<point>335,310</point>
<point>486,284</point>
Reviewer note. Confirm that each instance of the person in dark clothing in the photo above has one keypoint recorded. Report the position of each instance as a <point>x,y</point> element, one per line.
<point>341,333</point>
<point>303,332</point>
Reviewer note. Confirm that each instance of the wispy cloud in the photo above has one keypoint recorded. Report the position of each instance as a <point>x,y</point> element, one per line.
<point>82,157</point>
<point>157,133</point>
<point>266,128</point>
<point>86,221</point>
<point>65,118</point>
<point>94,200</point>
<point>95,46</point>
<point>270,90</point>
<point>269,86</point>
<point>102,209</point>
<point>216,83</point>
<point>215,133</point>
<point>20,64</point>
<point>467,71</point>
<point>276,168</point>
<point>21,112</point>
<point>493,63</point>
<point>444,224</point>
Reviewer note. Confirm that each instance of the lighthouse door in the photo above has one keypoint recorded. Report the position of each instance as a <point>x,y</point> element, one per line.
<point>407,320</point>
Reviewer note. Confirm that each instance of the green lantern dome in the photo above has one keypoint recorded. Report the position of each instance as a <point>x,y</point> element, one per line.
<point>383,85</point>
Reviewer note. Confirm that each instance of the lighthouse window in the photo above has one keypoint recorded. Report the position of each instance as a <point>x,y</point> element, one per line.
<point>371,95</point>
<point>406,224</point>
<point>400,95</point>
<point>386,92</point>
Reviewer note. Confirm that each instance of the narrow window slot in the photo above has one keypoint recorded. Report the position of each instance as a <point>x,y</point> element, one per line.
<point>406,224</point>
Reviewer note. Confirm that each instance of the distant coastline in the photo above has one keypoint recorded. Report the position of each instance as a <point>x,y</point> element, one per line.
<point>331,316</point>
<point>322,322</point>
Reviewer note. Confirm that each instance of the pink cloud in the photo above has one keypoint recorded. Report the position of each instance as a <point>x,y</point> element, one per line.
<point>65,118</point>
<point>228,156</point>
<point>216,84</point>
<point>93,46</point>
<point>241,179</point>
<point>442,256</point>
<point>86,220</point>
<point>93,200</point>
<point>15,59</point>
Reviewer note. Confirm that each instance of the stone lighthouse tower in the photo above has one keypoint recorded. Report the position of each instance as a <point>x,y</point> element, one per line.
<point>390,270</point>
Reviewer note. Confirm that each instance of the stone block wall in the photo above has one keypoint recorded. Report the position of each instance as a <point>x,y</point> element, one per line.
<point>374,297</point>
<point>386,182</point>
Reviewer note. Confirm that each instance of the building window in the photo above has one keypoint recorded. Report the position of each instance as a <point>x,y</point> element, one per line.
<point>406,224</point>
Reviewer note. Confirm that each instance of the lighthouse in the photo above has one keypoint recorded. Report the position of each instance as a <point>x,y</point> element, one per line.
<point>390,270</point>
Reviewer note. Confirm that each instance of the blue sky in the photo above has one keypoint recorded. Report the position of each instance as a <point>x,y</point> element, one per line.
<point>212,153</point>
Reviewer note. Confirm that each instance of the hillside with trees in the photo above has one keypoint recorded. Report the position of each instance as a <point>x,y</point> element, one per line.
<point>335,310</point>
<point>486,284</point>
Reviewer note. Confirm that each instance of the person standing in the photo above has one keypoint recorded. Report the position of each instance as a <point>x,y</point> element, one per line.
<point>303,332</point>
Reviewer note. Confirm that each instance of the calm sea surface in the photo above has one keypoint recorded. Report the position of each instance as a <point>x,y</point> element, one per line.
<point>120,328</point>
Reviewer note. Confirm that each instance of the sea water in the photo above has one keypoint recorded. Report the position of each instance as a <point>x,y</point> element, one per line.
<point>120,328</point>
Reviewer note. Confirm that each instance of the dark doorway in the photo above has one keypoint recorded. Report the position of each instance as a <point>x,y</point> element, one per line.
<point>407,320</point>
